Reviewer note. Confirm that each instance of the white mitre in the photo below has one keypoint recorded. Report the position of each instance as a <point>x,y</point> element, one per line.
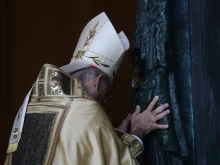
<point>99,46</point>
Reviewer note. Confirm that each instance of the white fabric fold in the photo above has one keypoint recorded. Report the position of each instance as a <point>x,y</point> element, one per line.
<point>19,123</point>
<point>124,40</point>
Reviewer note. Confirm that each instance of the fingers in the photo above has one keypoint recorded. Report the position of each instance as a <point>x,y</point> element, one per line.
<point>137,111</point>
<point>124,125</point>
<point>152,104</point>
<point>160,126</point>
<point>128,118</point>
<point>160,109</point>
<point>162,115</point>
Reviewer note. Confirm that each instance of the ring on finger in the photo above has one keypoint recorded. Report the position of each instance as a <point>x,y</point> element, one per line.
<point>153,118</point>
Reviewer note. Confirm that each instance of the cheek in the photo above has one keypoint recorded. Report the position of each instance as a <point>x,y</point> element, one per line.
<point>102,93</point>
<point>93,93</point>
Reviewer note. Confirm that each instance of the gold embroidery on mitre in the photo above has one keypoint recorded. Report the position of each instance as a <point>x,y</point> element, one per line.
<point>101,56</point>
<point>99,61</point>
<point>91,34</point>
<point>80,54</point>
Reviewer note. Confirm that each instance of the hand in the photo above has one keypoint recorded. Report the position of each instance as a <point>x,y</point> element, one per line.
<point>125,124</point>
<point>146,122</point>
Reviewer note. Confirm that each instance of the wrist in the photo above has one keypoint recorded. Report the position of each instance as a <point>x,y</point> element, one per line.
<point>136,132</point>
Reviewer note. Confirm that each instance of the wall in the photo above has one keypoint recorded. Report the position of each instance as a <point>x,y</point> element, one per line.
<point>205,48</point>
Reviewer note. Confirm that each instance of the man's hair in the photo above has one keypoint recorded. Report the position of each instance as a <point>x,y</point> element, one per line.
<point>84,75</point>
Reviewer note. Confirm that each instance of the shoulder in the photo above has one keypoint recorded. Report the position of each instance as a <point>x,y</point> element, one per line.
<point>86,116</point>
<point>87,108</point>
<point>85,105</point>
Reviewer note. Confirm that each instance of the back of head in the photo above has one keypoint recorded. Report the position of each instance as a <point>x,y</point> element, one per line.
<point>86,74</point>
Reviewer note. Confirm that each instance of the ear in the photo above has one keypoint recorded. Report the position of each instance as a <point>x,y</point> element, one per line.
<point>98,81</point>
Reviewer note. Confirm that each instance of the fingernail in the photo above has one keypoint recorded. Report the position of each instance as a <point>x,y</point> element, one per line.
<point>157,97</point>
<point>168,111</point>
<point>167,126</point>
<point>167,104</point>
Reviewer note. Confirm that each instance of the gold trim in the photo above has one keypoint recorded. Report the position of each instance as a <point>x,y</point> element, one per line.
<point>98,31</point>
<point>57,133</point>
<point>8,160</point>
<point>61,110</point>
<point>91,34</point>
<point>98,61</point>
<point>133,144</point>
<point>80,54</point>
<point>82,43</point>
<point>42,74</point>
<point>12,147</point>
<point>53,84</point>
<point>101,56</point>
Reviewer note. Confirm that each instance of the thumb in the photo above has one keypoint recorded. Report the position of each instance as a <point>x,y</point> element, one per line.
<point>128,118</point>
<point>137,111</point>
